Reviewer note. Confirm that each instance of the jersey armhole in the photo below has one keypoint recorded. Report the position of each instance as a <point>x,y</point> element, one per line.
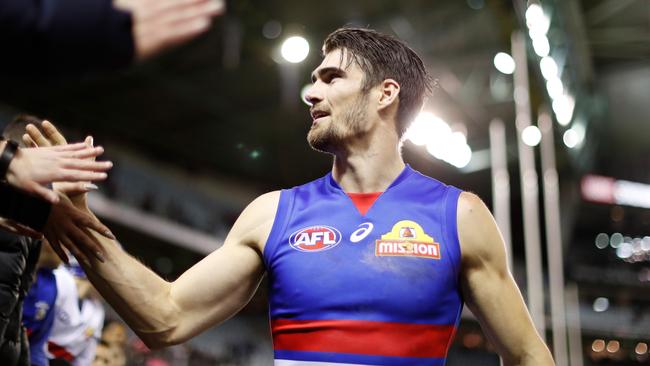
<point>451,226</point>
<point>285,206</point>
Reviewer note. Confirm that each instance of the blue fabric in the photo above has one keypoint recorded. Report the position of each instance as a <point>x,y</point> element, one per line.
<point>38,314</point>
<point>349,280</point>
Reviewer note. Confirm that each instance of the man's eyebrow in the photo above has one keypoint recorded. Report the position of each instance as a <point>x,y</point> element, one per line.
<point>325,71</point>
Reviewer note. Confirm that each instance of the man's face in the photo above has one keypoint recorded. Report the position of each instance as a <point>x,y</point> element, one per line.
<point>339,105</point>
<point>102,356</point>
<point>114,333</point>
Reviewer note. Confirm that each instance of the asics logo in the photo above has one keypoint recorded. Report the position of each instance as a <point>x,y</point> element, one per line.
<point>362,232</point>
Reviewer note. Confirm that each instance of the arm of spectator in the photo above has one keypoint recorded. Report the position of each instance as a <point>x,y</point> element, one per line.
<point>69,36</point>
<point>18,228</point>
<point>158,25</point>
<point>75,36</point>
<point>21,208</point>
<point>31,168</point>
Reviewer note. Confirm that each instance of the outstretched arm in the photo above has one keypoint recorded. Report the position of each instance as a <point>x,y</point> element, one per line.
<point>489,289</point>
<point>164,313</point>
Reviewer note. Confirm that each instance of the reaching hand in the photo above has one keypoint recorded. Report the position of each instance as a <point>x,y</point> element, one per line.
<point>70,221</point>
<point>50,136</point>
<point>71,227</point>
<point>161,24</point>
<point>31,168</point>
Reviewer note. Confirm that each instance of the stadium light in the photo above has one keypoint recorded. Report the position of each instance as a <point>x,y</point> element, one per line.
<point>504,63</point>
<point>531,136</point>
<point>295,49</point>
<point>549,67</point>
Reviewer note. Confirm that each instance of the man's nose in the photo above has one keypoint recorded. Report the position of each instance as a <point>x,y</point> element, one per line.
<point>312,95</point>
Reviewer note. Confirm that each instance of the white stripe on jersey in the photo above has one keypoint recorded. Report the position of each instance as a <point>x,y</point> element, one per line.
<point>308,363</point>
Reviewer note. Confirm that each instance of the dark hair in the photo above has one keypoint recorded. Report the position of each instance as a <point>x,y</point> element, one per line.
<point>16,129</point>
<point>381,57</point>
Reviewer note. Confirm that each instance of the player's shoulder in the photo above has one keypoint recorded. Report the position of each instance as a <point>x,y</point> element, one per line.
<point>261,209</point>
<point>477,230</point>
<point>471,206</point>
<point>267,202</point>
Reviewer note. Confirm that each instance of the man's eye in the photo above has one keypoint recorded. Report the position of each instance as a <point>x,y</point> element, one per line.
<point>332,78</point>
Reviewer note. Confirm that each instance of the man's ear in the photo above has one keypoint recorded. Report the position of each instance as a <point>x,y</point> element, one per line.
<point>389,92</point>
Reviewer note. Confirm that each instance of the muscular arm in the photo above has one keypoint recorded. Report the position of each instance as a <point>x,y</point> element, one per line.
<point>490,291</point>
<point>164,313</point>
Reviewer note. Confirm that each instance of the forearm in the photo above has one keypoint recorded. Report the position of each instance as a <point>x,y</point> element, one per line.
<point>537,354</point>
<point>140,296</point>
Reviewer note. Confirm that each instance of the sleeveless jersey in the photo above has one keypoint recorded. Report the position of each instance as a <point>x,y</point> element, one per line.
<point>38,314</point>
<point>374,289</point>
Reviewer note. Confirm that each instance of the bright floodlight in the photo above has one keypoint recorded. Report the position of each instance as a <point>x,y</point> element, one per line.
<point>426,128</point>
<point>295,49</point>
<point>548,67</point>
<point>531,136</point>
<point>504,63</point>
<point>540,44</point>
<point>536,19</point>
<point>625,251</point>
<point>460,154</point>
<point>563,107</point>
<point>570,138</point>
<point>555,88</point>
<point>601,304</point>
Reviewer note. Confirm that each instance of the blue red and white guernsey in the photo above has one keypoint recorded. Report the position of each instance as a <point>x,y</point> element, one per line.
<point>374,289</point>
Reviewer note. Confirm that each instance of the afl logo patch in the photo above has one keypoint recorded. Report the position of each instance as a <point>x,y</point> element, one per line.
<point>315,238</point>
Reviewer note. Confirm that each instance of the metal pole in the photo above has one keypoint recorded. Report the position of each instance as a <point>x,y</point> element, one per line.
<point>529,187</point>
<point>573,316</point>
<point>553,239</point>
<point>501,183</point>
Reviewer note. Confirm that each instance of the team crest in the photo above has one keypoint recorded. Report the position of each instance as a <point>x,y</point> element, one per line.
<point>315,238</point>
<point>407,239</point>
<point>41,309</point>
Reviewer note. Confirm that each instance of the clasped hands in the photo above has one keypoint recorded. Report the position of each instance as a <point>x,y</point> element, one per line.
<point>71,223</point>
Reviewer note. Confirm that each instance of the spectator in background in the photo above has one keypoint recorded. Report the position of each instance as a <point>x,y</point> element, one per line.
<point>103,355</point>
<point>38,309</point>
<point>18,259</point>
<point>78,320</point>
<point>111,348</point>
<point>71,37</point>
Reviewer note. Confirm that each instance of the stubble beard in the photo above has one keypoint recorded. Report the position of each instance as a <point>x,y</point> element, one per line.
<point>332,137</point>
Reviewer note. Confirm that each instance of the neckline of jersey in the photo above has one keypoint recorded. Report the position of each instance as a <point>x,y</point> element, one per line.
<point>406,172</point>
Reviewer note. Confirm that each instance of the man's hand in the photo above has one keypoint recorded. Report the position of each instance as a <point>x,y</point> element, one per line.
<point>31,168</point>
<point>71,227</point>
<point>161,24</point>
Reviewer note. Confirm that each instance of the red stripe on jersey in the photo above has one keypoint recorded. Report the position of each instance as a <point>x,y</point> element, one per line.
<point>59,352</point>
<point>362,337</point>
<point>363,201</point>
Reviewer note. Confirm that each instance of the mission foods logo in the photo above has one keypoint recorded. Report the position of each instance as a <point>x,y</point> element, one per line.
<point>407,239</point>
<point>315,238</point>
